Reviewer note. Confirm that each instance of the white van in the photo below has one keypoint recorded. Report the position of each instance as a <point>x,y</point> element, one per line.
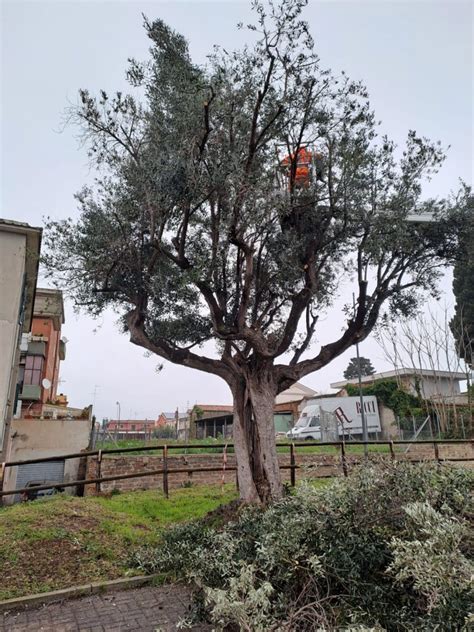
<point>308,425</point>
<point>331,418</point>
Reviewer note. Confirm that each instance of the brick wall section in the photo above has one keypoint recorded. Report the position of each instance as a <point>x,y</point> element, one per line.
<point>321,465</point>
<point>311,466</point>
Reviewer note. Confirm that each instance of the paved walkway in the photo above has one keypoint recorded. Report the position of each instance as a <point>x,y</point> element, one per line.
<point>142,609</point>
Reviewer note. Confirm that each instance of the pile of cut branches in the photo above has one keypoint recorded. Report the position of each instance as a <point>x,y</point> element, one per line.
<point>389,548</point>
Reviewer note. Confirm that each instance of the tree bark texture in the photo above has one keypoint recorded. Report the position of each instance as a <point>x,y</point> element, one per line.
<point>254,438</point>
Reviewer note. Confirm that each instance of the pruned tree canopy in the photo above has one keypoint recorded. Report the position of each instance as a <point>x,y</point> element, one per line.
<point>199,230</point>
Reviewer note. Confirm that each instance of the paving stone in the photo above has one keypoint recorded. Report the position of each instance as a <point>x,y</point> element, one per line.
<point>139,610</point>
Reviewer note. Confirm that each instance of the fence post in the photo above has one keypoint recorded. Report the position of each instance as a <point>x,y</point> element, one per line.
<point>436,451</point>
<point>165,471</point>
<point>343,457</point>
<point>392,451</point>
<point>98,471</point>
<point>2,477</point>
<point>293,465</point>
<point>224,463</point>
<point>463,428</point>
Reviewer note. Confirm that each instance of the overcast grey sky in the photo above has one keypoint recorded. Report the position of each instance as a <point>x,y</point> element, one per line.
<point>415,57</point>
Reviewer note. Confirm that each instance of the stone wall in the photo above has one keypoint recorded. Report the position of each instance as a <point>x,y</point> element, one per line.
<point>310,466</point>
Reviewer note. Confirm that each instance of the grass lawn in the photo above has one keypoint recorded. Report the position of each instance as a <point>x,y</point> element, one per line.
<point>177,445</point>
<point>66,541</point>
<point>301,447</point>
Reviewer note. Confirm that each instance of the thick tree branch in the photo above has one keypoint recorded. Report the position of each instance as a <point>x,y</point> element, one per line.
<point>166,350</point>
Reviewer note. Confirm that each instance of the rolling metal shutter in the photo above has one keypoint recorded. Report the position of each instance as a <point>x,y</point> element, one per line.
<point>51,471</point>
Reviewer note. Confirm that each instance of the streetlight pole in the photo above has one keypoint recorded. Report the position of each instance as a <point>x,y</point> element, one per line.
<point>118,424</point>
<point>365,435</point>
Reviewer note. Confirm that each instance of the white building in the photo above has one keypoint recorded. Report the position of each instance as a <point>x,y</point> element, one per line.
<point>19,258</point>
<point>295,393</point>
<point>425,382</point>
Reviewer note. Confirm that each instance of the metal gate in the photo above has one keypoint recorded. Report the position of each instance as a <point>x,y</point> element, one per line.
<point>39,473</point>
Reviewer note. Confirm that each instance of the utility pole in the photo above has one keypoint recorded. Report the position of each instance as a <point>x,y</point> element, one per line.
<point>365,436</point>
<point>94,394</point>
<point>117,426</point>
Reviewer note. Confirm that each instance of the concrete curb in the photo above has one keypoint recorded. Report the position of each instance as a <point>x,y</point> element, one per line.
<point>22,603</point>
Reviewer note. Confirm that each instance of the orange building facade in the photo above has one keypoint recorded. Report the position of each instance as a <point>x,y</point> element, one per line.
<point>39,368</point>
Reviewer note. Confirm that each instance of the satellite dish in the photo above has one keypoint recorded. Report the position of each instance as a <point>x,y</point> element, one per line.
<point>64,339</point>
<point>46,383</point>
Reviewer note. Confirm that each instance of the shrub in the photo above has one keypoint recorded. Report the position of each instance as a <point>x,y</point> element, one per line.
<point>164,432</point>
<point>432,563</point>
<point>393,396</point>
<point>386,549</point>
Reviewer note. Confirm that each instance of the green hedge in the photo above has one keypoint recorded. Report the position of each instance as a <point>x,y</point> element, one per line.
<point>402,403</point>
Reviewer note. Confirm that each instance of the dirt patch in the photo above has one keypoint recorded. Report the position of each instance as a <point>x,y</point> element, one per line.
<point>35,565</point>
<point>64,541</point>
<point>63,546</point>
<point>223,514</point>
<point>74,521</point>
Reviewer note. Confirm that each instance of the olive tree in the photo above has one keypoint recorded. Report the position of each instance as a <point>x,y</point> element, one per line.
<point>462,323</point>
<point>197,229</point>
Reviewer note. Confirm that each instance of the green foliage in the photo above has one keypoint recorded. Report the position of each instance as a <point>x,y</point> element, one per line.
<point>164,432</point>
<point>388,548</point>
<point>431,558</point>
<point>192,232</point>
<point>352,370</point>
<point>242,604</point>
<point>66,541</point>
<point>176,447</point>
<point>391,395</point>
<point>197,230</point>
<point>462,324</point>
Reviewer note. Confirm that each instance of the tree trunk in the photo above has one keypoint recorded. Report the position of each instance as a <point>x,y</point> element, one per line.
<point>254,438</point>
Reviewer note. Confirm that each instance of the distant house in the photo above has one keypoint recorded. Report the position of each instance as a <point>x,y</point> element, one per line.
<point>428,383</point>
<point>177,421</point>
<point>139,428</point>
<point>166,419</point>
<point>211,420</point>
<point>288,405</point>
<point>169,419</point>
<point>296,393</point>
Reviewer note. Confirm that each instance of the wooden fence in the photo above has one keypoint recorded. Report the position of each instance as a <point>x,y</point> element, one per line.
<point>166,472</point>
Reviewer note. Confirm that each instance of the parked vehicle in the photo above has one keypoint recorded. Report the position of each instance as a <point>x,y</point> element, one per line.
<point>331,418</point>
<point>33,493</point>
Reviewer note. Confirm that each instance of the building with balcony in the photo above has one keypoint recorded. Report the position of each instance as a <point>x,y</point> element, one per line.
<point>35,422</point>
<point>42,352</point>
